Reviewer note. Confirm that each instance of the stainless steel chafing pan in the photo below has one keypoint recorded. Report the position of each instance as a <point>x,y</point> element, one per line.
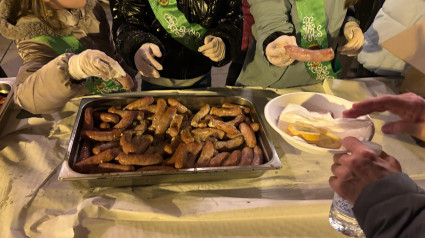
<point>6,90</point>
<point>271,160</point>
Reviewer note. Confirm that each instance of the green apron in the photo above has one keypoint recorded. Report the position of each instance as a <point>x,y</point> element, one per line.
<point>313,36</point>
<point>175,23</point>
<point>70,44</point>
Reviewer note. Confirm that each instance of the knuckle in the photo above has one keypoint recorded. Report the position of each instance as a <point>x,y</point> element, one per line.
<point>367,154</point>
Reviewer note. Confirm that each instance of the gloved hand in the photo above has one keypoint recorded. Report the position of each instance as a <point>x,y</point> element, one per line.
<point>276,53</point>
<point>213,48</point>
<point>145,61</point>
<point>355,38</point>
<point>94,63</point>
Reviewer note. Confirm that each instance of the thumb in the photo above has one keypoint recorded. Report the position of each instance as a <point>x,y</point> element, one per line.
<point>400,127</point>
<point>208,39</point>
<point>349,33</point>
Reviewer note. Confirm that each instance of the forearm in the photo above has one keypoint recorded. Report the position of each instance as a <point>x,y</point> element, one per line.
<point>270,17</point>
<point>46,89</point>
<point>393,206</point>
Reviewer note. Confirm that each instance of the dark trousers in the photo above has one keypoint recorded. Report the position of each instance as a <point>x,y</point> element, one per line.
<point>235,69</point>
<point>2,73</point>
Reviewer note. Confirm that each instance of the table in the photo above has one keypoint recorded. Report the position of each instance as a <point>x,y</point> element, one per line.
<point>291,202</point>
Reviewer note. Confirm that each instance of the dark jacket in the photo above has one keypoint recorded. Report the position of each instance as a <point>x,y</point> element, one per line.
<point>393,206</point>
<point>134,24</point>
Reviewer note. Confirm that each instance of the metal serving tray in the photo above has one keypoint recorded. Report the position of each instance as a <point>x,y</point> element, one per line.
<point>6,88</point>
<point>271,160</point>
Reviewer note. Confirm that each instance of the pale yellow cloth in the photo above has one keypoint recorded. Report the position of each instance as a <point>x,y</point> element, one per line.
<point>291,202</point>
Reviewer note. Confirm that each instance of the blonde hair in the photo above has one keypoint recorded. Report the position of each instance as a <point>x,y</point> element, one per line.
<point>37,8</point>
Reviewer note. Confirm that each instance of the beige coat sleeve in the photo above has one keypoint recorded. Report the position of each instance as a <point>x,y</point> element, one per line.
<point>43,84</point>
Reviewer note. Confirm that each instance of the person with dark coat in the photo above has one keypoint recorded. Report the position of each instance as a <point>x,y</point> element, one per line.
<point>387,203</point>
<point>174,44</point>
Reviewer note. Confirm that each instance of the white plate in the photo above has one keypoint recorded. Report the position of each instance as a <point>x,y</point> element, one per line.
<point>317,102</point>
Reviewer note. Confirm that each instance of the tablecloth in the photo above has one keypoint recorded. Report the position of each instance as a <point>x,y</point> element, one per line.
<point>293,201</point>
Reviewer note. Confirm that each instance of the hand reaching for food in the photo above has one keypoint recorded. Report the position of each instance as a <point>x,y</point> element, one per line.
<point>408,106</point>
<point>96,63</point>
<point>355,38</point>
<point>145,61</point>
<point>276,52</point>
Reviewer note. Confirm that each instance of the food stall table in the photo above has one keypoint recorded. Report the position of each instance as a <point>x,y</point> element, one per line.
<point>293,201</point>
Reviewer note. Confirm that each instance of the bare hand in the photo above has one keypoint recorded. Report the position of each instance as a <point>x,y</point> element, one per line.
<point>353,172</point>
<point>409,107</point>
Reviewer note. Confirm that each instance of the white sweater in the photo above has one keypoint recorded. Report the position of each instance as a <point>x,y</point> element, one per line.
<point>394,17</point>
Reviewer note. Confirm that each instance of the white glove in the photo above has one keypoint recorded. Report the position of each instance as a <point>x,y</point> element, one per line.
<point>145,61</point>
<point>213,48</point>
<point>355,38</point>
<point>276,53</point>
<point>94,63</point>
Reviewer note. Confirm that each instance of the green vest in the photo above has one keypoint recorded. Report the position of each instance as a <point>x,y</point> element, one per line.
<point>70,44</point>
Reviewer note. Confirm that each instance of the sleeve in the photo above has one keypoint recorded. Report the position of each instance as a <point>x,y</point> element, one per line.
<point>272,19</point>
<point>130,28</point>
<point>43,84</point>
<point>393,206</point>
<point>229,29</point>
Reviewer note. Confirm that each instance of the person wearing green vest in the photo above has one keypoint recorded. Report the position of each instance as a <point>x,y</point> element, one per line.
<point>175,43</point>
<point>310,24</point>
<point>67,51</point>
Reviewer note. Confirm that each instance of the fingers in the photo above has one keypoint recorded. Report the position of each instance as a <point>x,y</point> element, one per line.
<point>208,44</point>
<point>145,60</point>
<point>393,163</point>
<point>153,62</point>
<point>148,71</point>
<point>353,144</point>
<point>355,43</point>
<point>155,51</point>
<point>102,66</point>
<point>275,52</point>
<point>341,171</point>
<point>277,56</point>
<point>378,104</point>
<point>116,70</point>
<point>403,127</point>
<point>214,48</point>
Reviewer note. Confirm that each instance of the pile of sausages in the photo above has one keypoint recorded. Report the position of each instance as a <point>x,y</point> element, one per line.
<point>163,134</point>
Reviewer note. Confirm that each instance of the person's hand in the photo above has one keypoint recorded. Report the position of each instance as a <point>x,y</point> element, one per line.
<point>276,53</point>
<point>355,38</point>
<point>353,172</point>
<point>213,48</point>
<point>145,61</point>
<point>409,107</point>
<point>94,63</point>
